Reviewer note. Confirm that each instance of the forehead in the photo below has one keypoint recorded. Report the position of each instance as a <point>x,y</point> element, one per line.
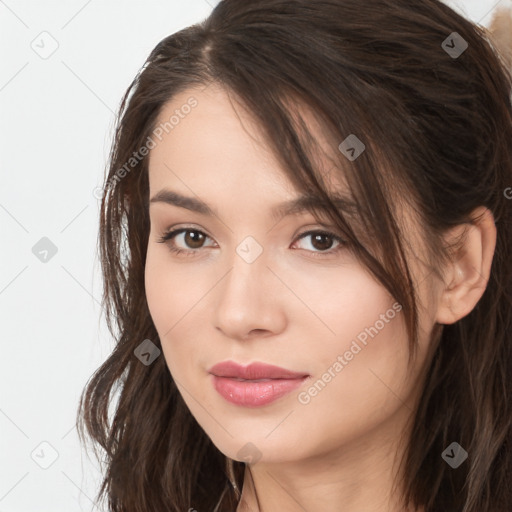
<point>205,145</point>
<point>215,143</point>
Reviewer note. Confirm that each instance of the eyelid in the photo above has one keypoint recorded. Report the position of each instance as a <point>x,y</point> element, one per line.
<point>322,231</point>
<point>171,233</point>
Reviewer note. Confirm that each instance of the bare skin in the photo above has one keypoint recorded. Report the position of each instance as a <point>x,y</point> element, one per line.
<point>295,306</point>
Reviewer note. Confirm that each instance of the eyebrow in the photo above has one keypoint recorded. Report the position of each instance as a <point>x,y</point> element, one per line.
<point>295,206</point>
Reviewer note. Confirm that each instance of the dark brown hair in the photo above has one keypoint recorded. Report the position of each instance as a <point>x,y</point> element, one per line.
<point>437,129</point>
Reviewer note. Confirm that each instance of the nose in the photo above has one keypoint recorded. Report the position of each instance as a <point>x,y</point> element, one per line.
<point>250,300</point>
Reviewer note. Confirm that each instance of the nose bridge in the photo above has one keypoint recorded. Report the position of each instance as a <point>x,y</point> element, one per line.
<point>248,266</point>
<point>249,250</point>
<point>243,298</point>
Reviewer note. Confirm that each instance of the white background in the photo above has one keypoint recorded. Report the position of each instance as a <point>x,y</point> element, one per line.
<point>56,119</point>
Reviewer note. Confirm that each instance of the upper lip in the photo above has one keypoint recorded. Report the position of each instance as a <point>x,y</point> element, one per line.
<point>253,371</point>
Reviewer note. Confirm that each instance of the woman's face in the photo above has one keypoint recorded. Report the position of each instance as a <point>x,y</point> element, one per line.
<point>250,286</point>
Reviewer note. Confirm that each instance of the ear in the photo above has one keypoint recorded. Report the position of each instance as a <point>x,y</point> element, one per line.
<point>466,277</point>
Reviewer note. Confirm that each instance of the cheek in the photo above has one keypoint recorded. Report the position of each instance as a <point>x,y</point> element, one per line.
<point>345,305</point>
<point>171,288</point>
<point>360,360</point>
<point>367,322</point>
<point>157,286</point>
<point>175,294</point>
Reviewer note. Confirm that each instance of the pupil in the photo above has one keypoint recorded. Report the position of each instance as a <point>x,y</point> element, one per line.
<point>193,237</point>
<point>322,246</point>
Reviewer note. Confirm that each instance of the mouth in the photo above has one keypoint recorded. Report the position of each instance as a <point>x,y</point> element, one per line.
<point>254,385</point>
<point>254,393</point>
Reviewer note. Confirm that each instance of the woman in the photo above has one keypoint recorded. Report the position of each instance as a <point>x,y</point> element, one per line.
<point>306,241</point>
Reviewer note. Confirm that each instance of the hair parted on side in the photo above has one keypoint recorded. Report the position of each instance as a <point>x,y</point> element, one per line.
<point>438,137</point>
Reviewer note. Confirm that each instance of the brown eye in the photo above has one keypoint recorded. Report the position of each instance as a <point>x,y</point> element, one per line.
<point>193,239</point>
<point>322,242</point>
<point>184,240</point>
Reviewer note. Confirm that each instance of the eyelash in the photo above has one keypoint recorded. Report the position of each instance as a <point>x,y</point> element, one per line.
<point>169,235</point>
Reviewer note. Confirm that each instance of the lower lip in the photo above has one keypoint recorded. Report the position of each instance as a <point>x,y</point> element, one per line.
<point>253,394</point>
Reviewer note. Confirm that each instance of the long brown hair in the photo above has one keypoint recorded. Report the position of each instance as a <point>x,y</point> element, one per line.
<point>429,96</point>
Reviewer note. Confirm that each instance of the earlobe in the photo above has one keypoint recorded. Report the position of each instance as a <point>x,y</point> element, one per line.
<point>468,274</point>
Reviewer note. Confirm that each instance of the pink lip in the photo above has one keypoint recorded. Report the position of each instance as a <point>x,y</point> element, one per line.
<point>253,392</point>
<point>253,371</point>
